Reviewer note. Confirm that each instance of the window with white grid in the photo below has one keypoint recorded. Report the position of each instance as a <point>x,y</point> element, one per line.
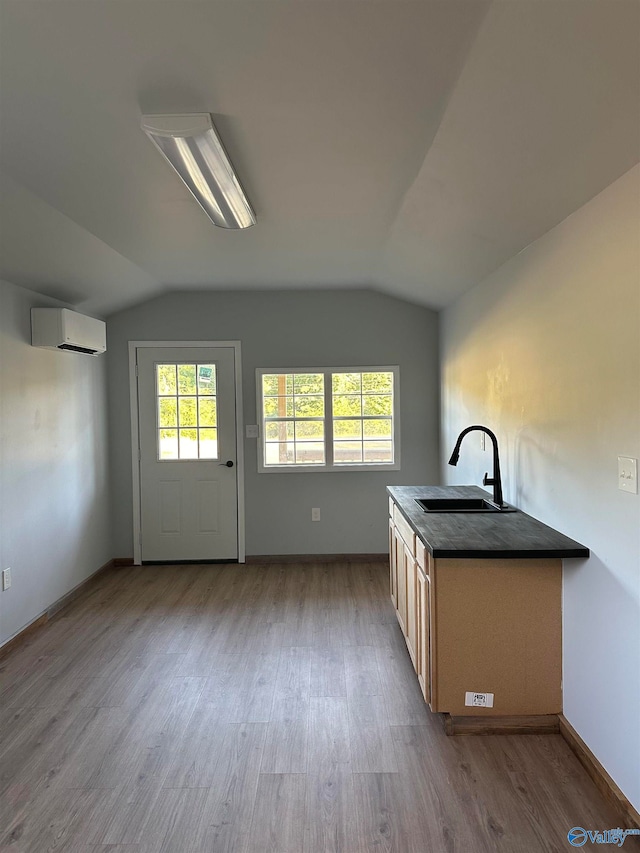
<point>328,419</point>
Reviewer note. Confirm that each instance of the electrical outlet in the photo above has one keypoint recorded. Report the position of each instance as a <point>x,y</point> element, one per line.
<point>6,578</point>
<point>483,441</point>
<point>315,513</point>
<point>628,474</point>
<point>479,700</point>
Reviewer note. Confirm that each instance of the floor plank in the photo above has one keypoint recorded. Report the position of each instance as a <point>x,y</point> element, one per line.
<point>328,676</point>
<point>371,742</point>
<point>171,824</point>
<point>226,820</point>
<point>329,739</point>
<point>277,825</point>
<point>286,747</point>
<point>330,825</point>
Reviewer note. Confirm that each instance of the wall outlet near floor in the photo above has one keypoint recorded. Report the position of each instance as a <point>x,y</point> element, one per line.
<point>6,579</point>
<point>628,474</point>
<point>315,513</point>
<point>479,700</point>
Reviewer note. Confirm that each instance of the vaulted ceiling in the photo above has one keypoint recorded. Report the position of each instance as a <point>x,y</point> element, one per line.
<point>411,146</point>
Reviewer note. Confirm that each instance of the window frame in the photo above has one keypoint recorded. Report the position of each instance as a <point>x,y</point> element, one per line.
<point>329,465</point>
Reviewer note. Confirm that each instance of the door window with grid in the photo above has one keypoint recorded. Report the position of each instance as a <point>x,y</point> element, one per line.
<point>329,419</point>
<point>187,411</point>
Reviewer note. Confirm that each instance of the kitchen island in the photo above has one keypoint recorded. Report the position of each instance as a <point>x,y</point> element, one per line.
<point>478,597</point>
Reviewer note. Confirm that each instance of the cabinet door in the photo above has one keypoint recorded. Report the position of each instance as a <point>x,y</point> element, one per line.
<point>423,637</point>
<point>393,565</point>
<point>401,590</point>
<point>411,623</point>
<point>423,609</point>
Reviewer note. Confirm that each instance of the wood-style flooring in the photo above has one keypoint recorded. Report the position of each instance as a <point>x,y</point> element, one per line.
<point>258,709</point>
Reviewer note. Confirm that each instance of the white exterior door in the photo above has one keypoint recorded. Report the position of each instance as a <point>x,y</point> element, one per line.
<point>187,453</point>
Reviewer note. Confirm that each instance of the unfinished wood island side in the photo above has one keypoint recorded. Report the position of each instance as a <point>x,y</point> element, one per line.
<point>481,625</point>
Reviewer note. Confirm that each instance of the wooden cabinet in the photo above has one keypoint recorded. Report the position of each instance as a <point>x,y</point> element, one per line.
<point>423,652</point>
<point>479,626</point>
<point>410,594</point>
<point>411,623</point>
<point>393,565</point>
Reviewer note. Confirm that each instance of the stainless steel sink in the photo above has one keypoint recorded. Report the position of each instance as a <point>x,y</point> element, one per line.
<point>460,505</point>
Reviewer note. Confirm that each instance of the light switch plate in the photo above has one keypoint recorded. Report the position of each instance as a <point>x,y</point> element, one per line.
<point>252,431</point>
<point>628,474</point>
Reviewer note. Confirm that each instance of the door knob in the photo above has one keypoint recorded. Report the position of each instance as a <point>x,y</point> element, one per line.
<point>228,463</point>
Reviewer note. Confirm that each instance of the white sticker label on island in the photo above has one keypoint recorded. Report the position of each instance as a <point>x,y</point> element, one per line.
<point>479,700</point>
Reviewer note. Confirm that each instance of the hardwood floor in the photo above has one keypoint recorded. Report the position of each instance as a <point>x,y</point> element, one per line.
<point>258,709</point>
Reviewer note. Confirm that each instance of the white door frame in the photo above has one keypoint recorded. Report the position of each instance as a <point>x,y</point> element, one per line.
<point>135,461</point>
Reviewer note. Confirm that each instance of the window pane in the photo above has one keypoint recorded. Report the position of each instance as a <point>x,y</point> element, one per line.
<point>378,404</point>
<point>269,385</point>
<point>347,429</point>
<point>186,379</point>
<point>309,452</point>
<point>345,452</point>
<point>308,383</point>
<point>344,406</point>
<point>188,444</point>
<point>309,429</point>
<point>187,411</point>
<point>168,443</point>
<point>274,384</point>
<point>167,412</point>
<point>378,451</point>
<point>208,443</point>
<point>377,383</point>
<point>279,454</point>
<point>206,379</point>
<point>378,428</point>
<point>309,407</point>
<point>166,379</point>
<point>207,414</point>
<point>346,383</point>
<point>278,407</point>
<point>279,430</point>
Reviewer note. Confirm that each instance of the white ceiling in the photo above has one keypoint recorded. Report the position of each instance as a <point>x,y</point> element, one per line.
<point>410,146</point>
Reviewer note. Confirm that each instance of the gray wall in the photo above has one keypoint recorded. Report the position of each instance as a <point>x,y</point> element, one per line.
<point>294,329</point>
<point>547,353</point>
<point>54,506</point>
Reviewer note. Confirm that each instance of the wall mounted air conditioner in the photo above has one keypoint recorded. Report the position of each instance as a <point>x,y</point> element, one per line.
<point>61,328</point>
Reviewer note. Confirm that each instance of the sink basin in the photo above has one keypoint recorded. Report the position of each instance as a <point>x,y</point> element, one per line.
<point>460,505</point>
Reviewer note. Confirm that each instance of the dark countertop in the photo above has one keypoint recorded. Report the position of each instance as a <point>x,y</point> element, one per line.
<point>480,535</point>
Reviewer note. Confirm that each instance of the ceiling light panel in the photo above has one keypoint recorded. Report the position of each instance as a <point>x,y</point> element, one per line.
<point>192,146</point>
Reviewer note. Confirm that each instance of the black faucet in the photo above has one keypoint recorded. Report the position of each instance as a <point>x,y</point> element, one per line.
<point>494,481</point>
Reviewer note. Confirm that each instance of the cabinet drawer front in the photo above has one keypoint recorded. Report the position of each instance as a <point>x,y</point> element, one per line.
<point>404,530</point>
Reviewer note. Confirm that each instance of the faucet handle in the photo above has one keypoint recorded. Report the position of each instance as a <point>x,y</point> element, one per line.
<point>487,480</point>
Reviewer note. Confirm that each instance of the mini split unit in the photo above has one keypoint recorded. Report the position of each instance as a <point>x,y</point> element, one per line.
<point>60,328</point>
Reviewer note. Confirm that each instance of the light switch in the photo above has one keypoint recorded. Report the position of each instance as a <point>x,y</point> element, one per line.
<point>628,474</point>
<point>252,431</point>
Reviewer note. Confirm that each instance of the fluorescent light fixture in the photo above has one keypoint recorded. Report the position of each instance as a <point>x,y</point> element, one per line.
<point>194,149</point>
